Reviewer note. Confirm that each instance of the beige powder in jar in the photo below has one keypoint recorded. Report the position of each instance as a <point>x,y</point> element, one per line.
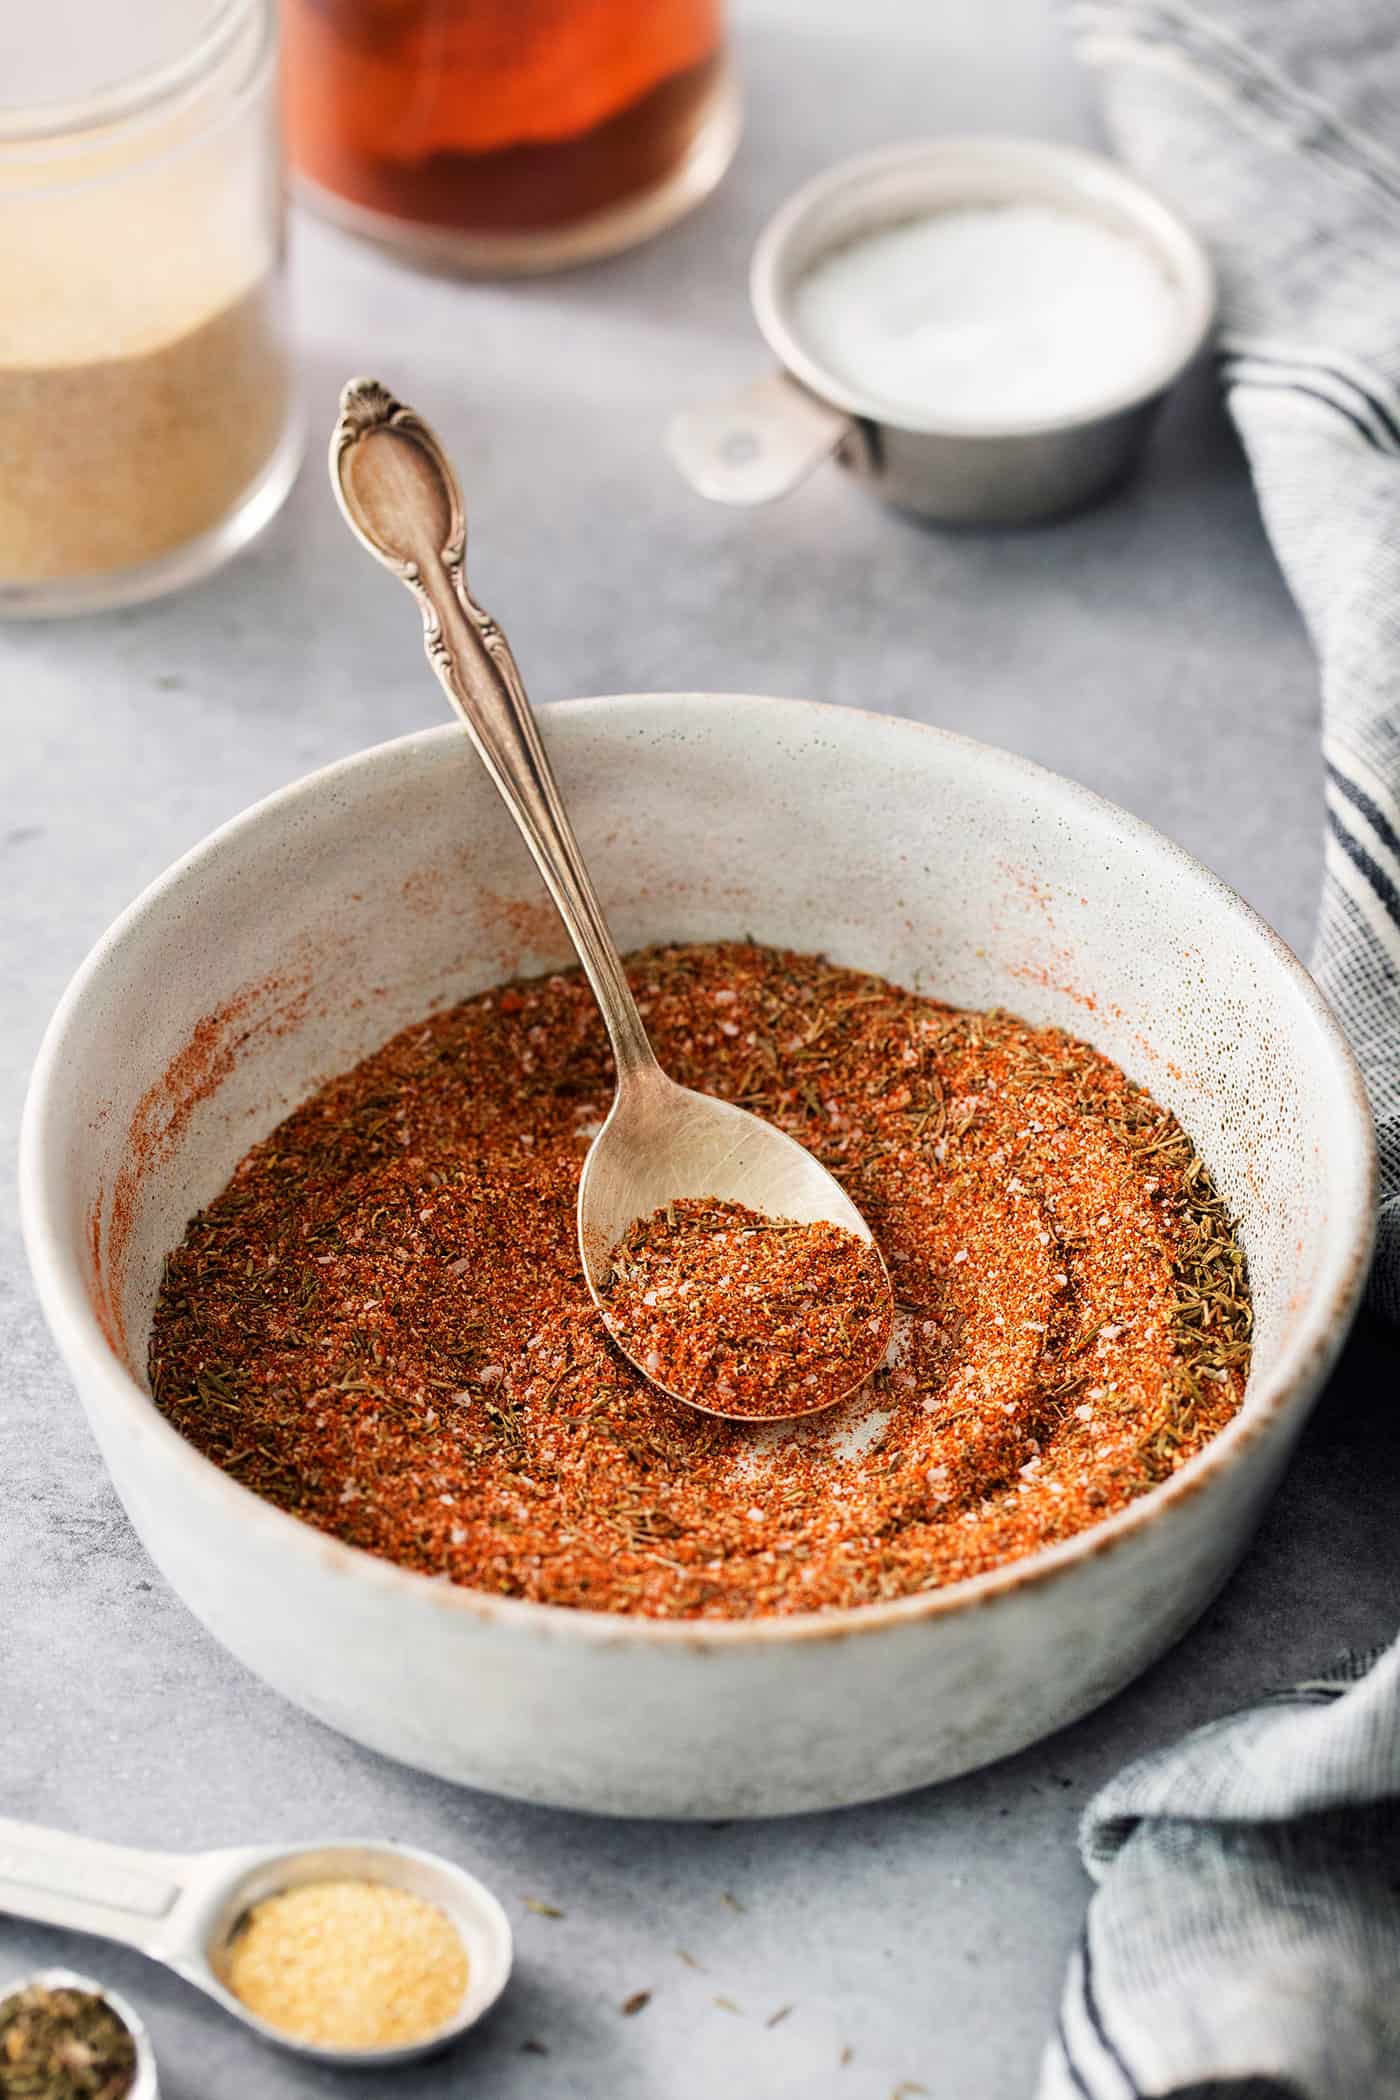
<point>145,384</point>
<point>115,461</point>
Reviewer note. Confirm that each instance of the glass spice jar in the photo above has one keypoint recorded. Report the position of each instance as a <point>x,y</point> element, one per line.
<point>148,425</point>
<point>504,136</point>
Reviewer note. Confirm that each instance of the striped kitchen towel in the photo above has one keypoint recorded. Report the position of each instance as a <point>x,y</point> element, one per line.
<point>1274,127</point>
<point>1243,1941</point>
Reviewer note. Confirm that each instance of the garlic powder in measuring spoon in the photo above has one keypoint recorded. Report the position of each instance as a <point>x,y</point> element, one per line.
<point>990,314</point>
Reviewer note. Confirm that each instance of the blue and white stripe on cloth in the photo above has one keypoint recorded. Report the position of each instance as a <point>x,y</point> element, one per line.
<point>1274,126</point>
<point>1243,1941</point>
<point>1245,1937</point>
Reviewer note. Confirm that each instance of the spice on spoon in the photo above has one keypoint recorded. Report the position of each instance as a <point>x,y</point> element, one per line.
<point>747,1315</point>
<point>349,1964</point>
<point>63,2044</point>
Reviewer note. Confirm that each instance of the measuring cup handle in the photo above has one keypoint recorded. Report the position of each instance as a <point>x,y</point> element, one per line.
<point>58,1879</point>
<point>757,444</point>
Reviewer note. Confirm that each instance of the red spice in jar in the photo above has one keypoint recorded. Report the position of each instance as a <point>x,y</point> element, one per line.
<point>497,116</point>
<point>382,1325</point>
<point>748,1316</point>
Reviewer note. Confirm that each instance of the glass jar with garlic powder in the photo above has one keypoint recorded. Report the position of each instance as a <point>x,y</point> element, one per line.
<point>147,417</point>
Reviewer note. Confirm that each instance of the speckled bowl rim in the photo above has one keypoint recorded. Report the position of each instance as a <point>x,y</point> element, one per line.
<point>1311,1351</point>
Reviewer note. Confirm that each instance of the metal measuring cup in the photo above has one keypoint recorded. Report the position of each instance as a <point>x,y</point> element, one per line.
<point>761,442</point>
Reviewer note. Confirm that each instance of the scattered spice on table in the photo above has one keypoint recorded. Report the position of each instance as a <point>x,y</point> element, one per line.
<point>61,2043</point>
<point>748,1315</point>
<point>382,1325</point>
<point>349,1964</point>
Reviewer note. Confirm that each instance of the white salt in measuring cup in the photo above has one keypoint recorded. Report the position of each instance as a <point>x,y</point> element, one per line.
<point>760,443</point>
<point>183,1909</point>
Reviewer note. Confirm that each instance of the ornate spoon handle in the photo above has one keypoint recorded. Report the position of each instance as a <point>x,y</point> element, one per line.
<point>401,500</point>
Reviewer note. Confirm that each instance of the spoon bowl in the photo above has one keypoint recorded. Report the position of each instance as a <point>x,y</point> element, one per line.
<point>185,1909</point>
<point>661,1141</point>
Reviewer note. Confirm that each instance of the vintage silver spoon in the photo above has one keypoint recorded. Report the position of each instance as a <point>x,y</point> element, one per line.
<point>183,1909</point>
<point>661,1141</point>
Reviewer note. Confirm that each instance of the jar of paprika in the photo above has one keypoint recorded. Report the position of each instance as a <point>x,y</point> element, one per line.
<point>504,136</point>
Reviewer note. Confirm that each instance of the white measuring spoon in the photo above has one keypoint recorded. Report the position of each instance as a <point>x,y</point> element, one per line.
<point>183,1909</point>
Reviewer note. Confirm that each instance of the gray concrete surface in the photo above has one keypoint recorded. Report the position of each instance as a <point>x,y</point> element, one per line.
<point>1148,648</point>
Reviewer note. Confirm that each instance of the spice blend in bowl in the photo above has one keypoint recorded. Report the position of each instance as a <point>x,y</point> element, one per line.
<point>381,1325</point>
<point>299,940</point>
<point>748,1316</point>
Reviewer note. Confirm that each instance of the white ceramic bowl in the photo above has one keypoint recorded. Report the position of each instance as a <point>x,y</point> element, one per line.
<point>305,932</point>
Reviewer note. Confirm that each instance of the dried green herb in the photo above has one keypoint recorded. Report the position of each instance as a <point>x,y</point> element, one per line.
<point>63,2044</point>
